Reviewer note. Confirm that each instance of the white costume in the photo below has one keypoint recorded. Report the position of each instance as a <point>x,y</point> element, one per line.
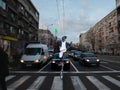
<point>62,49</point>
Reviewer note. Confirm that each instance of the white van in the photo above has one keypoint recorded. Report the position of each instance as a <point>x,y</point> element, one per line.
<point>35,54</point>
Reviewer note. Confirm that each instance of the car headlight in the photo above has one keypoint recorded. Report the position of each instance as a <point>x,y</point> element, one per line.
<point>36,61</point>
<point>45,57</point>
<point>87,60</point>
<point>97,60</point>
<point>22,61</point>
<point>67,61</point>
<point>53,61</point>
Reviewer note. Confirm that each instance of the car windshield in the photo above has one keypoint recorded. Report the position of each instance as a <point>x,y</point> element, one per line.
<point>57,56</point>
<point>89,55</point>
<point>32,51</point>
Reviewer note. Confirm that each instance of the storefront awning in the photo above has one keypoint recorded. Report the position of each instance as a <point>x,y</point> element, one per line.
<point>8,38</point>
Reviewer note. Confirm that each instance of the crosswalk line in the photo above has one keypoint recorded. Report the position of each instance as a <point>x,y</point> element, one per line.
<point>97,83</point>
<point>77,83</point>
<point>37,83</point>
<point>18,83</point>
<point>112,80</point>
<point>9,77</point>
<point>57,84</point>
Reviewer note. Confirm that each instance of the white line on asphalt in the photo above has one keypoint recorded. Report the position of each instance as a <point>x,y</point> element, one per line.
<point>108,68</point>
<point>104,62</point>
<point>77,83</point>
<point>44,67</point>
<point>74,67</point>
<point>112,80</point>
<point>37,83</point>
<point>97,83</point>
<point>52,72</point>
<point>57,83</point>
<point>111,61</point>
<point>18,83</point>
<point>9,77</point>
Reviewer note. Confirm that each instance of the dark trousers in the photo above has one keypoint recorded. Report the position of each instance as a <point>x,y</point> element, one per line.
<point>2,83</point>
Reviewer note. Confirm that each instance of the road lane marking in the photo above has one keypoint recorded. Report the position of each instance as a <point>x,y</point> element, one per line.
<point>57,83</point>
<point>9,77</point>
<point>37,83</point>
<point>55,72</point>
<point>18,83</point>
<point>111,61</point>
<point>112,80</point>
<point>108,68</point>
<point>44,67</point>
<point>97,83</point>
<point>104,62</point>
<point>74,67</point>
<point>77,83</point>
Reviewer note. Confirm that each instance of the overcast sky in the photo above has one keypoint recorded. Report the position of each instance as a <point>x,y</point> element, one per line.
<point>72,17</point>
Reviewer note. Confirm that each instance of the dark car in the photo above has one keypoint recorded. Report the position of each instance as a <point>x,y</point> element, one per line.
<point>56,61</point>
<point>89,59</point>
<point>77,55</point>
<point>71,53</point>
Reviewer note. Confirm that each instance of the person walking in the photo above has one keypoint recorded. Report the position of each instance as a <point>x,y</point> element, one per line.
<point>4,71</point>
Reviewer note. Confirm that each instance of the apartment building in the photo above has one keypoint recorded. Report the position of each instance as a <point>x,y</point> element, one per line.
<point>105,35</point>
<point>19,20</point>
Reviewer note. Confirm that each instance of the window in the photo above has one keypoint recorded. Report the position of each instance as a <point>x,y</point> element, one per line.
<point>3,4</point>
<point>1,25</point>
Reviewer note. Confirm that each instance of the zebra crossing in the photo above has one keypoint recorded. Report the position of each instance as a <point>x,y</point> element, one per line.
<point>57,83</point>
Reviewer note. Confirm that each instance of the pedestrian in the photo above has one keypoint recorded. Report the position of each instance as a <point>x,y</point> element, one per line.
<point>63,46</point>
<point>3,68</point>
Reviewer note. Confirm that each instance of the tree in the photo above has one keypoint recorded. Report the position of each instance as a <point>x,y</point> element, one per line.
<point>90,37</point>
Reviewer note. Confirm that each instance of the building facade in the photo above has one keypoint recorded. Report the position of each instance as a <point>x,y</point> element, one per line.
<point>105,35</point>
<point>19,22</point>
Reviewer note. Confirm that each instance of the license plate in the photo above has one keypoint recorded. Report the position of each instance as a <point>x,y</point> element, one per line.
<point>61,64</point>
<point>28,64</point>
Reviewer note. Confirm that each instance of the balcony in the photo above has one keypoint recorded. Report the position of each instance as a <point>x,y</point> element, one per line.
<point>3,12</point>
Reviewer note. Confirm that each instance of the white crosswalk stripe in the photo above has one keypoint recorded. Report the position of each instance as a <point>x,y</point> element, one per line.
<point>77,83</point>
<point>18,83</point>
<point>37,83</point>
<point>57,84</point>
<point>112,80</point>
<point>97,83</point>
<point>9,77</point>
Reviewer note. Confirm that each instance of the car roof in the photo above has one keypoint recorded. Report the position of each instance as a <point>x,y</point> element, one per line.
<point>87,53</point>
<point>36,45</point>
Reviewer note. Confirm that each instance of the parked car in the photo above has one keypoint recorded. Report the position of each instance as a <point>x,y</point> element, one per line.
<point>89,59</point>
<point>56,61</point>
<point>77,55</point>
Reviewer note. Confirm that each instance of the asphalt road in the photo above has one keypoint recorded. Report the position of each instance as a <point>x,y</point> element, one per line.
<point>79,77</point>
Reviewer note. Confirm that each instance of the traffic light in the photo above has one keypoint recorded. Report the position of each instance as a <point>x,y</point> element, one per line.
<point>56,31</point>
